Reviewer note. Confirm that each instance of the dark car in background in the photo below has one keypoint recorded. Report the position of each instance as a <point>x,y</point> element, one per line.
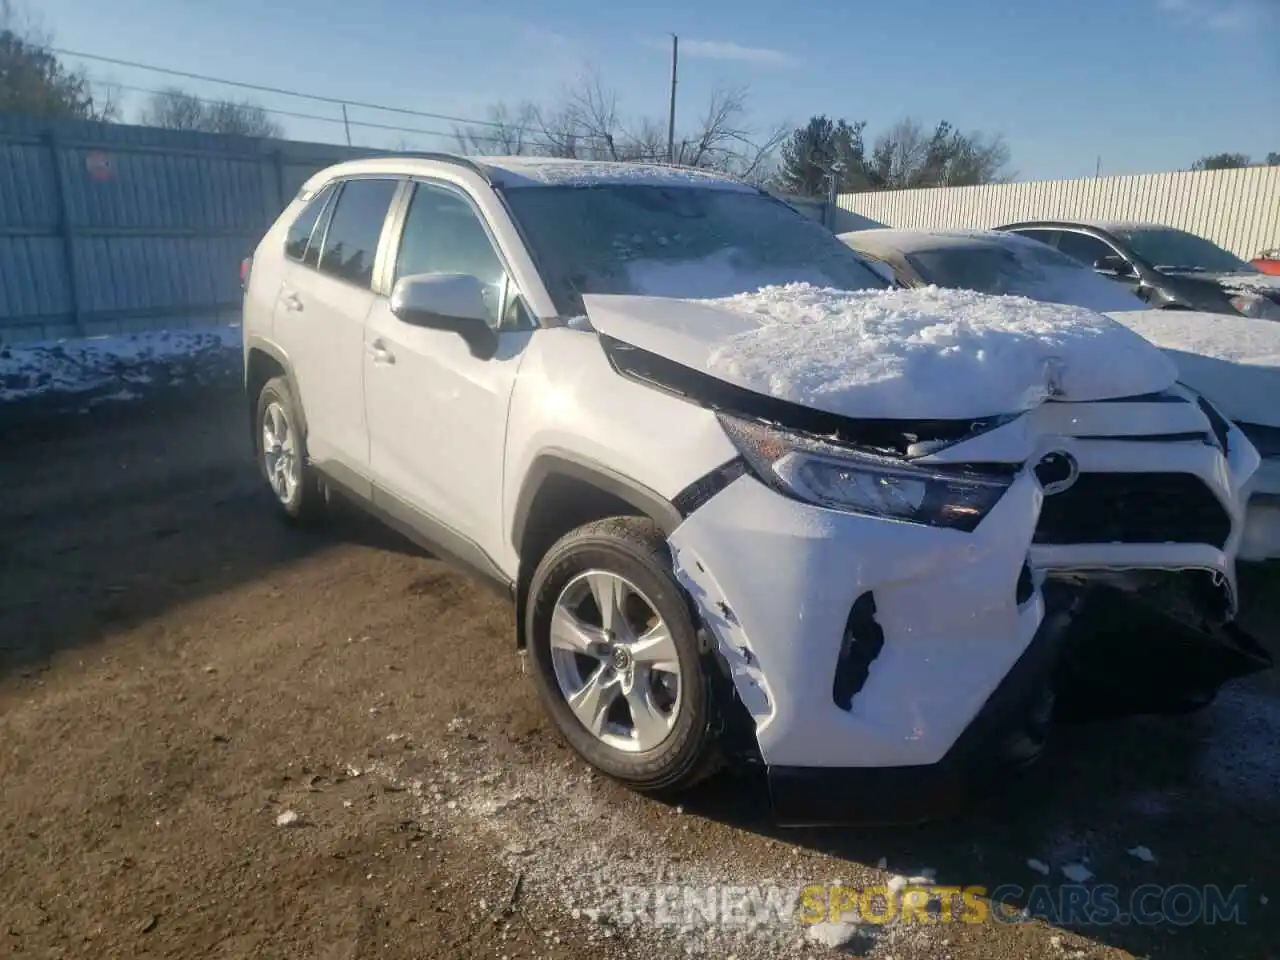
<point>1164,266</point>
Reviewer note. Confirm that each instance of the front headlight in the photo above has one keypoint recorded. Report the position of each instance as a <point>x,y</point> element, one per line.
<point>1256,306</point>
<point>842,479</point>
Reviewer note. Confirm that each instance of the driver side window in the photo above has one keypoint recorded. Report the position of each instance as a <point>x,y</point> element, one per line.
<point>1088,250</point>
<point>443,234</point>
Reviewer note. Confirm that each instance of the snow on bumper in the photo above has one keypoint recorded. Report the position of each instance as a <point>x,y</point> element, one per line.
<point>776,581</point>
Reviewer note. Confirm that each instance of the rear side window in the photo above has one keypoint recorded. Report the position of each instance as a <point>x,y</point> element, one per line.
<point>295,246</point>
<point>351,240</point>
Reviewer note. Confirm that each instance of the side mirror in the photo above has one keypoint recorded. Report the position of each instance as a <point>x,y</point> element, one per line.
<point>447,301</point>
<point>1113,265</point>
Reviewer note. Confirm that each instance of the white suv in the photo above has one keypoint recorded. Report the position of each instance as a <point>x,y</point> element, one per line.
<point>747,500</point>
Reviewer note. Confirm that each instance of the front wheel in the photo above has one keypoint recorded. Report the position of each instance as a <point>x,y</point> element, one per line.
<point>616,657</point>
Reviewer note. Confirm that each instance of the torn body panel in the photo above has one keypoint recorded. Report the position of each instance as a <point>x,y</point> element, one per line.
<point>775,581</point>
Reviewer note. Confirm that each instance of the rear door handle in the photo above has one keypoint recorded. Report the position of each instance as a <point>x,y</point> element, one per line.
<point>378,350</point>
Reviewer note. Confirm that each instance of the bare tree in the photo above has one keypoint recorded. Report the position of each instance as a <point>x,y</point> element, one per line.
<point>586,123</point>
<point>176,109</point>
<point>34,81</point>
<point>509,131</point>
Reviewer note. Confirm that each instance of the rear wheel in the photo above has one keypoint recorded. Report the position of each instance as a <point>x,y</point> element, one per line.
<point>616,657</point>
<point>282,454</point>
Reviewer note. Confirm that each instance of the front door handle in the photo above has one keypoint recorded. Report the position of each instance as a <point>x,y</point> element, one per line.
<point>292,302</point>
<point>378,350</point>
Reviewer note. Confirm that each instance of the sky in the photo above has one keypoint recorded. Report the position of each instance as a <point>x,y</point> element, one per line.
<point>1135,85</point>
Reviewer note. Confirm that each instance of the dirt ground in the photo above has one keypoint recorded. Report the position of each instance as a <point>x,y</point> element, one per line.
<point>180,674</point>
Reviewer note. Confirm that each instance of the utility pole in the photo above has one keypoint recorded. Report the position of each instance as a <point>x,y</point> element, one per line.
<point>346,124</point>
<point>671,115</point>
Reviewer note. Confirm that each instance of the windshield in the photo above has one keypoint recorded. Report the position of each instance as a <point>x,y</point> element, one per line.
<point>1169,249</point>
<point>687,242</point>
<point>1024,269</point>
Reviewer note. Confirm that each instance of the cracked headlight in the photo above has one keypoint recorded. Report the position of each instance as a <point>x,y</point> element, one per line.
<point>832,476</point>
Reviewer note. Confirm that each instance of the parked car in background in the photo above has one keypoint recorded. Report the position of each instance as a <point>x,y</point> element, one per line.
<point>1233,361</point>
<point>1268,261</point>
<point>1163,266</point>
<point>747,499</point>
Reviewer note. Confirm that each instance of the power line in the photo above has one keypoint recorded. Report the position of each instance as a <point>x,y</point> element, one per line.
<point>294,114</point>
<point>277,90</point>
<point>261,88</point>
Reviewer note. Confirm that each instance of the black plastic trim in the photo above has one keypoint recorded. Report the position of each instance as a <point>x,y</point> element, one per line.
<point>563,463</point>
<point>708,485</point>
<point>256,342</point>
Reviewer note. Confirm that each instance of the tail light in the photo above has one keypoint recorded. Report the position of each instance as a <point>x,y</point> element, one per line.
<point>245,266</point>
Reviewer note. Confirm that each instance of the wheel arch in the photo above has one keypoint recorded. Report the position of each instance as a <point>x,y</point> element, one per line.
<point>561,492</point>
<point>264,360</point>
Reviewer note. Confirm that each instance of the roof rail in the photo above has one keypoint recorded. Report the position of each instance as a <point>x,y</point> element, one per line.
<point>442,158</point>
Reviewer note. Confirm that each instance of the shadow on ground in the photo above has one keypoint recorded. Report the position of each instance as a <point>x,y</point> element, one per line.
<point>111,518</point>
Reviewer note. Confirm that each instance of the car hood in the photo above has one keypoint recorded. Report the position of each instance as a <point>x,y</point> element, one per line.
<point>1234,361</point>
<point>1239,282</point>
<point>892,354</point>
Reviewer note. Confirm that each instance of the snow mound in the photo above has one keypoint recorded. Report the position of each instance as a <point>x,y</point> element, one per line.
<point>929,352</point>
<point>112,365</point>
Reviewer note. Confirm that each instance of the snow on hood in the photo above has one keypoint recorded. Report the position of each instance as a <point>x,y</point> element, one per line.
<point>1259,282</point>
<point>926,353</point>
<point>1234,361</point>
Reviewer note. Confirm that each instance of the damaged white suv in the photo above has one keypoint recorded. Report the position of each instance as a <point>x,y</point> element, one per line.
<point>747,501</point>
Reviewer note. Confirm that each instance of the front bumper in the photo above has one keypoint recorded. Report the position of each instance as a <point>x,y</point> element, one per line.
<point>776,582</point>
<point>1005,735</point>
<point>1261,539</point>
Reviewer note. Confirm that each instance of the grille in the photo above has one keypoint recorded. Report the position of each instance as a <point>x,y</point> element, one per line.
<point>1134,508</point>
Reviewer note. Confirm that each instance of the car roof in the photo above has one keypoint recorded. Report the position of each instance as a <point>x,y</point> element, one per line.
<point>1105,226</point>
<point>513,172</point>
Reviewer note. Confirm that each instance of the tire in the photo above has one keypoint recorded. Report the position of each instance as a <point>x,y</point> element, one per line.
<point>302,500</point>
<point>631,551</point>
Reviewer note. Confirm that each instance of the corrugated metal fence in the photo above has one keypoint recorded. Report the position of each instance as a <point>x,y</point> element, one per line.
<point>1236,209</point>
<point>106,228</point>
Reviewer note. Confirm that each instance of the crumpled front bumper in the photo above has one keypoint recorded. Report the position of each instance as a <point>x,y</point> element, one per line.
<point>1261,539</point>
<point>776,581</point>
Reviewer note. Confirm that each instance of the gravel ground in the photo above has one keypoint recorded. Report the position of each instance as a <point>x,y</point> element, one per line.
<point>226,738</point>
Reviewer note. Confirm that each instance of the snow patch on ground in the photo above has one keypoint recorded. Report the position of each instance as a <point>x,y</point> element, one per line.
<point>1077,872</point>
<point>929,352</point>
<point>1039,866</point>
<point>570,847</point>
<point>1142,853</point>
<point>112,366</point>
